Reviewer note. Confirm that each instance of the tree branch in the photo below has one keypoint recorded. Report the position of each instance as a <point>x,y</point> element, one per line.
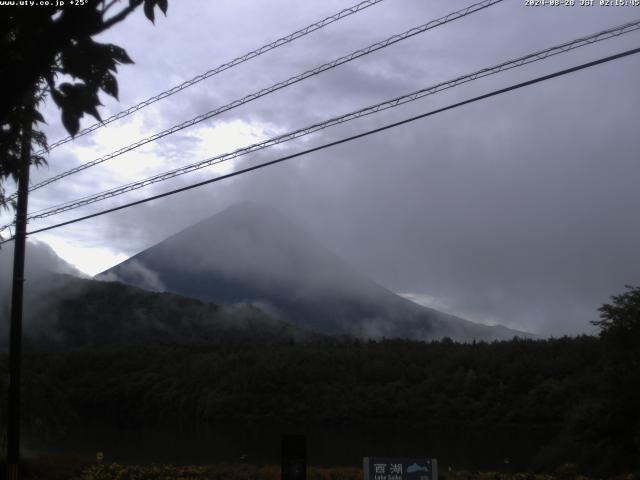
<point>119,16</point>
<point>109,5</point>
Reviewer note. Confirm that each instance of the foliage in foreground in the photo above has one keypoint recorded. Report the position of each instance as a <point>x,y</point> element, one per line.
<point>74,468</point>
<point>51,51</point>
<point>272,472</point>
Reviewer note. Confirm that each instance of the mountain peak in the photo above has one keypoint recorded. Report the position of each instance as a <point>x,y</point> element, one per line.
<point>252,253</point>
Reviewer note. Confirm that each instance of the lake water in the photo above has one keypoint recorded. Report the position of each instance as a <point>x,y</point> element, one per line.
<point>456,447</point>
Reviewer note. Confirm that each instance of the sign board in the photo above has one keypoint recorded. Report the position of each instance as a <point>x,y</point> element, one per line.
<point>380,468</point>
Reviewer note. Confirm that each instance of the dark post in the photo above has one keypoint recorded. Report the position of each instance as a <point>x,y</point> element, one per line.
<point>15,347</point>
<point>294,457</point>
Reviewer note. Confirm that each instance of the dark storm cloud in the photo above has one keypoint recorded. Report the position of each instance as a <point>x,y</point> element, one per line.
<point>520,210</point>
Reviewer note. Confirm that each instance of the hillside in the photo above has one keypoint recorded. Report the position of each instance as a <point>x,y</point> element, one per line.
<point>62,311</point>
<point>250,253</point>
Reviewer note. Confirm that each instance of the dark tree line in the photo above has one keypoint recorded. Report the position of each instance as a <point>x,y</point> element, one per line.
<point>584,388</point>
<point>555,383</point>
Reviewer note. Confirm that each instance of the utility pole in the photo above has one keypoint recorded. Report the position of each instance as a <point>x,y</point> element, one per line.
<point>15,347</point>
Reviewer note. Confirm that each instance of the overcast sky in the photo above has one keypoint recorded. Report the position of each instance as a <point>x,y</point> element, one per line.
<point>520,210</point>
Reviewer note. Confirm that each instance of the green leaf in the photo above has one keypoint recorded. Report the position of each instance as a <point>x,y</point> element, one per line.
<point>38,160</point>
<point>39,138</point>
<point>67,89</point>
<point>93,111</point>
<point>110,85</point>
<point>37,116</point>
<point>76,61</point>
<point>148,10</point>
<point>57,98</point>
<point>90,61</point>
<point>79,98</point>
<point>163,4</point>
<point>119,54</point>
<point>71,122</point>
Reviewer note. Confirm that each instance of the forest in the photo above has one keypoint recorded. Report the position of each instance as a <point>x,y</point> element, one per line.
<point>583,388</point>
<point>563,383</point>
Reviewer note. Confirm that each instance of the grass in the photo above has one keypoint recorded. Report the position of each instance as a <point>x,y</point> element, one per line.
<point>76,468</point>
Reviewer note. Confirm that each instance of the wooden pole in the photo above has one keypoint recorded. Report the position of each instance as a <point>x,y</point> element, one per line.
<point>15,347</point>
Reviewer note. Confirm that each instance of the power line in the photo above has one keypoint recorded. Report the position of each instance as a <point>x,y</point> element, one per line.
<point>387,104</point>
<point>221,68</point>
<point>278,86</point>
<point>347,139</point>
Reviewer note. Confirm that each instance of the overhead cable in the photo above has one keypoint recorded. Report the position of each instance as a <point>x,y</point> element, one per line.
<point>273,88</point>
<point>343,140</point>
<point>220,68</point>
<point>387,104</point>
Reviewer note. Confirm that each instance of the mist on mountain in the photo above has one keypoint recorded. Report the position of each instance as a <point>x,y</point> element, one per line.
<point>43,269</point>
<point>251,253</point>
<point>65,309</point>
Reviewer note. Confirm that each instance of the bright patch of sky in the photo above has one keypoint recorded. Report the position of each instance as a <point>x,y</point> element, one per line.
<point>88,259</point>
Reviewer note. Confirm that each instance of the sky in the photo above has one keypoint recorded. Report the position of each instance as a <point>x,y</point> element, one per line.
<point>519,210</point>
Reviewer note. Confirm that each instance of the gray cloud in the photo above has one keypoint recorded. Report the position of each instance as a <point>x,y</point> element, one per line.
<point>139,275</point>
<point>41,262</point>
<point>520,210</point>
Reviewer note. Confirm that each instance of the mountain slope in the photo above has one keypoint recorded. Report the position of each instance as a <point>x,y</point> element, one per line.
<point>249,253</point>
<point>62,311</point>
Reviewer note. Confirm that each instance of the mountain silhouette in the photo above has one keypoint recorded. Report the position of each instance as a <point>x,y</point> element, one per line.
<point>64,309</point>
<point>249,253</point>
